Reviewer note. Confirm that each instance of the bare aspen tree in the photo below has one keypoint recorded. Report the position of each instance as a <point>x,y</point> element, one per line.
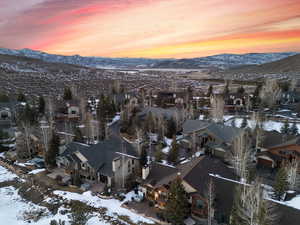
<point>240,154</point>
<point>292,168</point>
<point>270,92</point>
<point>210,201</point>
<point>251,208</point>
<point>293,84</point>
<point>27,129</point>
<point>82,108</point>
<point>258,126</point>
<point>177,120</point>
<point>217,107</point>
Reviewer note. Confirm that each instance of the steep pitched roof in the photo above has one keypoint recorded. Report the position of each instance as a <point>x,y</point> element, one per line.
<point>294,141</point>
<point>161,174</point>
<point>220,131</point>
<point>274,138</point>
<point>191,126</point>
<point>101,155</point>
<point>159,112</point>
<point>196,173</point>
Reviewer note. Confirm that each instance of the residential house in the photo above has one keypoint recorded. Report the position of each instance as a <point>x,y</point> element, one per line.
<point>277,149</point>
<point>68,110</point>
<point>109,163</point>
<point>213,138</point>
<point>195,176</point>
<point>235,102</point>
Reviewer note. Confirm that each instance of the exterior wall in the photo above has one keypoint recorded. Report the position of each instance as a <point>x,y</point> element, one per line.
<point>265,162</point>
<point>279,151</point>
<point>195,209</point>
<point>188,188</point>
<point>125,168</point>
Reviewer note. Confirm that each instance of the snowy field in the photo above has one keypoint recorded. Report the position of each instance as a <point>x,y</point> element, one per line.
<point>268,125</point>
<point>13,207</point>
<point>5,175</point>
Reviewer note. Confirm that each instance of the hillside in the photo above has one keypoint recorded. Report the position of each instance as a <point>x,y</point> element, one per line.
<point>26,64</point>
<point>222,61</point>
<point>290,64</point>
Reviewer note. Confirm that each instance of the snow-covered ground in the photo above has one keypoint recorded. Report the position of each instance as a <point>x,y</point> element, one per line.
<point>12,206</point>
<point>37,171</point>
<point>113,206</point>
<point>268,125</point>
<point>6,175</point>
<point>295,202</point>
<point>115,119</point>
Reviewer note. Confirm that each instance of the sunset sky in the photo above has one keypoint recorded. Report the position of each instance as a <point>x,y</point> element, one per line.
<point>150,28</point>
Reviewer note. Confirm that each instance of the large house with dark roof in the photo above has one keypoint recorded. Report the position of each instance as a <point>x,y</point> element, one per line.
<point>109,163</point>
<point>215,138</point>
<point>275,152</point>
<point>195,176</point>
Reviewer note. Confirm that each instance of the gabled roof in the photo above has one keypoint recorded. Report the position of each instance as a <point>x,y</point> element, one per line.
<point>191,126</point>
<point>101,155</point>
<point>294,141</point>
<point>196,173</point>
<point>220,131</point>
<point>161,174</point>
<point>274,138</point>
<point>159,112</point>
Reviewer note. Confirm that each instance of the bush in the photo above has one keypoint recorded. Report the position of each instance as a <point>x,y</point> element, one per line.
<point>151,204</point>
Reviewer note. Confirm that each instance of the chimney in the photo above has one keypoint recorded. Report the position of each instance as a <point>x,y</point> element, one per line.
<point>145,172</point>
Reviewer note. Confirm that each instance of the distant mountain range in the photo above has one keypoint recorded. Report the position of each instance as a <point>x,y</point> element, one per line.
<point>223,61</point>
<point>286,65</point>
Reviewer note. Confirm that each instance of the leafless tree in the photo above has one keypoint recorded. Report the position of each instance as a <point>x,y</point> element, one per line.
<point>240,154</point>
<point>217,107</point>
<point>258,120</point>
<point>270,92</point>
<point>252,208</point>
<point>27,130</point>
<point>210,201</point>
<point>292,168</point>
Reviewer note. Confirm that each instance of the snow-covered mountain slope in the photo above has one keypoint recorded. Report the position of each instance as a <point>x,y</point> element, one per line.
<point>222,61</point>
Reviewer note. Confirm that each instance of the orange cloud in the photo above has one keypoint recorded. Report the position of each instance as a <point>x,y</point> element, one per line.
<point>158,28</point>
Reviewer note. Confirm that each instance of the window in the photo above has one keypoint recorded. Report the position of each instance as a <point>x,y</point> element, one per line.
<point>73,112</point>
<point>132,161</point>
<point>200,204</point>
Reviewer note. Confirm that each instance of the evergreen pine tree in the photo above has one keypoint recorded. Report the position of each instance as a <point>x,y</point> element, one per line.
<point>171,125</point>
<point>78,135</point>
<point>294,129</point>
<point>144,157</point>
<point>244,123</point>
<point>173,153</point>
<point>21,97</point>
<point>67,94</point>
<point>51,154</point>
<point>159,155</point>
<point>177,206</point>
<point>285,129</point>
<point>42,105</point>
<point>226,89</point>
<point>209,91</point>
<point>241,90</point>
<point>281,184</point>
